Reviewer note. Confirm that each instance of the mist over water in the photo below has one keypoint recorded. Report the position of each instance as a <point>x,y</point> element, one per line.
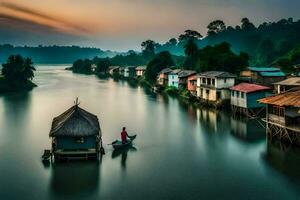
<point>180,152</point>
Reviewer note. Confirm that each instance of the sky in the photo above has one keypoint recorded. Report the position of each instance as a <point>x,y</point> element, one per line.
<point>121,25</point>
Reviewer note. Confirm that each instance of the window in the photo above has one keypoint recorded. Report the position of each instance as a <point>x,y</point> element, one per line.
<point>232,93</point>
<point>213,81</point>
<point>204,80</point>
<point>208,81</point>
<point>237,94</point>
<point>173,83</point>
<point>225,80</point>
<point>201,92</point>
<point>207,92</point>
<point>276,110</point>
<point>242,95</point>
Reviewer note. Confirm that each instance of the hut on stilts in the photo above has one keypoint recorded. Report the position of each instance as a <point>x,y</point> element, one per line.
<point>76,134</point>
<point>283,116</point>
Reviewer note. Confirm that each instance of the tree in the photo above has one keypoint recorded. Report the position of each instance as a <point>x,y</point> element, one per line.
<point>189,35</point>
<point>221,58</point>
<point>148,48</point>
<point>102,65</point>
<point>82,66</point>
<point>161,61</point>
<point>191,52</point>
<point>172,42</point>
<point>18,69</point>
<point>246,24</point>
<point>216,27</point>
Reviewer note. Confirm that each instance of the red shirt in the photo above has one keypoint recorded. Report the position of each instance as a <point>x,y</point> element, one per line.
<point>124,136</point>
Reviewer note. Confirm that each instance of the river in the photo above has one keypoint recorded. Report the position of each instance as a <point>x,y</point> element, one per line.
<point>180,153</point>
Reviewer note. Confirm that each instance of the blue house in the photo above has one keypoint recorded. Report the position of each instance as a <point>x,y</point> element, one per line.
<point>76,134</point>
<point>245,96</point>
<point>173,79</point>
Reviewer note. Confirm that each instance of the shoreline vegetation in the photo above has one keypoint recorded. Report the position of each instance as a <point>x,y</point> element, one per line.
<point>17,74</point>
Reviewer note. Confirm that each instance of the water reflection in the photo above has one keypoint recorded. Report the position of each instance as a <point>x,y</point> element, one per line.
<point>71,178</point>
<point>285,159</point>
<point>250,130</point>
<point>123,153</point>
<point>213,121</point>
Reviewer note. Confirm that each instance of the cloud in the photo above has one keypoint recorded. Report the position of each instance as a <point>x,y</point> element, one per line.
<point>14,11</point>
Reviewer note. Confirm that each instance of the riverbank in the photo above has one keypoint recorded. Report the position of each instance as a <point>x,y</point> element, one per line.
<point>8,86</point>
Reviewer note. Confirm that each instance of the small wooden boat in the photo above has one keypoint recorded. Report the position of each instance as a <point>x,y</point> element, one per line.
<point>118,144</point>
<point>46,155</point>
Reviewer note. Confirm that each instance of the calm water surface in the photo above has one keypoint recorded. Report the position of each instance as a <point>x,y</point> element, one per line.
<point>180,152</point>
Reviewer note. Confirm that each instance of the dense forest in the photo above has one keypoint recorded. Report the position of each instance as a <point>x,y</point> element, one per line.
<point>267,44</point>
<point>53,54</point>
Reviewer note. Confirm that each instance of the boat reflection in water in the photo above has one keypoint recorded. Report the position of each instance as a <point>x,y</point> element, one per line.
<point>123,153</point>
<point>71,178</point>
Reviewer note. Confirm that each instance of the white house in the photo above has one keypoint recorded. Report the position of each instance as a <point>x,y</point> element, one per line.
<point>140,70</point>
<point>173,80</point>
<point>214,85</point>
<point>129,71</point>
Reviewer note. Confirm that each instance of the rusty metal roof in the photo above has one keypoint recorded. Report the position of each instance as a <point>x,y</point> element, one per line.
<point>289,98</point>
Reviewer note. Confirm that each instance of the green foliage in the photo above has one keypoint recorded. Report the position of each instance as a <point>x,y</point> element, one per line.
<point>53,54</point>
<point>221,58</point>
<point>82,66</point>
<point>148,49</point>
<point>191,52</point>
<point>171,90</point>
<point>290,59</point>
<point>281,37</point>
<point>18,69</point>
<point>215,27</point>
<point>161,61</point>
<point>189,35</point>
<point>102,64</point>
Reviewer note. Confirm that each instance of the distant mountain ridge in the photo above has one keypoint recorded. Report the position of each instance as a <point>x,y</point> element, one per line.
<point>55,54</point>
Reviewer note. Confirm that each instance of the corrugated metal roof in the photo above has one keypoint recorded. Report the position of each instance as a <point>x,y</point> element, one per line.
<point>295,81</point>
<point>165,71</point>
<point>220,74</point>
<point>141,68</point>
<point>186,73</point>
<point>175,71</point>
<point>272,74</point>
<point>263,69</point>
<point>289,98</point>
<point>248,88</point>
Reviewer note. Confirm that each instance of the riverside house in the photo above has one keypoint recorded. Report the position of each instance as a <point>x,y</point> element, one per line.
<point>113,69</point>
<point>245,96</point>
<point>140,70</point>
<point>214,85</point>
<point>283,116</point>
<point>186,80</point>
<point>162,78</point>
<point>262,75</point>
<point>129,72</point>
<point>287,84</point>
<point>173,79</point>
<point>75,134</point>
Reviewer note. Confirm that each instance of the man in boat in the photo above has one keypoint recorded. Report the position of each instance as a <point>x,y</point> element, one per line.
<point>124,135</point>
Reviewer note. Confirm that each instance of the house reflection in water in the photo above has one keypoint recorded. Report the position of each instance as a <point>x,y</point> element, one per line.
<point>249,130</point>
<point>214,121</point>
<point>72,178</point>
<point>285,159</point>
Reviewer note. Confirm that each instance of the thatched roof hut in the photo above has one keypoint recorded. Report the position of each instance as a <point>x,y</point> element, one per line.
<point>75,122</point>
